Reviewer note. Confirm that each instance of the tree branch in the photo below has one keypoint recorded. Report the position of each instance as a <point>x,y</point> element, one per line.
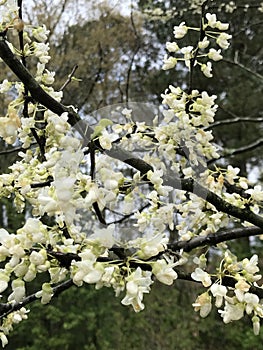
<point>7,308</point>
<point>215,238</point>
<point>36,91</point>
<point>70,76</point>
<point>235,63</point>
<point>247,148</point>
<point>226,281</point>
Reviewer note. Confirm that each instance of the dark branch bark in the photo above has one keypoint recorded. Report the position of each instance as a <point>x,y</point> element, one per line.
<point>215,238</point>
<point>6,309</point>
<point>250,147</point>
<point>36,91</point>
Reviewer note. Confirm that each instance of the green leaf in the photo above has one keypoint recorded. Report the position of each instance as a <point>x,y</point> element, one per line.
<point>103,123</point>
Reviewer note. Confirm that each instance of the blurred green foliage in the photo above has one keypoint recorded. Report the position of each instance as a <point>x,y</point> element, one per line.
<point>87,319</point>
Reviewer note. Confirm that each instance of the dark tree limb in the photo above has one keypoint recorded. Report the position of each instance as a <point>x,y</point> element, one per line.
<point>215,238</point>
<point>7,308</point>
<point>36,91</point>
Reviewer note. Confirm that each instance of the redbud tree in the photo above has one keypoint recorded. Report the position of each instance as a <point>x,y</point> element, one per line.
<point>123,203</point>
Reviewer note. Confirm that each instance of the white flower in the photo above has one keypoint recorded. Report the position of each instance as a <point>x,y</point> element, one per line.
<point>172,47</point>
<point>256,193</point>
<point>19,290</point>
<point>204,43</point>
<point>3,235</point>
<point>38,258</point>
<point>180,31</point>
<point>252,301</point>
<point>207,69</point>
<point>169,62</point>
<point>9,126</point>
<point>103,237</point>
<point>222,40</point>
<point>203,304</point>
<point>127,112</point>
<point>214,55</point>
<point>218,292</point>
<point>211,20</point>
<point>232,312</point>
<point>222,26</point>
<point>4,339</point>
<point>150,246</point>
<point>64,188</point>
<point>5,86</point>
<point>41,51</point>
<point>164,271</point>
<point>87,270</point>
<point>4,279</point>
<point>105,140</point>
<point>249,268</point>
<point>256,324</point>
<point>201,276</point>
<point>231,174</point>
<point>137,283</point>
<point>188,54</point>
<point>19,315</point>
<point>231,7</point>
<point>41,33</point>
<point>45,294</point>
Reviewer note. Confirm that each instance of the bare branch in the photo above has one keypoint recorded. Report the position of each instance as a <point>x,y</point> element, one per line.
<point>6,309</point>
<point>215,238</point>
<point>69,78</point>
<point>233,121</point>
<point>236,63</point>
<point>247,148</point>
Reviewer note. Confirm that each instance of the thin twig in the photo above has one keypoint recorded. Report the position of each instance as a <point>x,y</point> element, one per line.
<point>70,76</point>
<point>240,65</point>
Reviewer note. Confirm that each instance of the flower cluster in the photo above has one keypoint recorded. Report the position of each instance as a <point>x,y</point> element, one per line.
<point>84,192</point>
<point>185,118</point>
<point>211,30</point>
<point>236,300</point>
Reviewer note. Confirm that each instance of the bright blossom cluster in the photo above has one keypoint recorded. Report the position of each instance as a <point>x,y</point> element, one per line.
<point>237,300</point>
<point>212,30</point>
<point>63,182</point>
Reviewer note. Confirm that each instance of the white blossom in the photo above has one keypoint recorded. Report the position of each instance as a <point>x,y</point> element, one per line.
<point>169,62</point>
<point>222,40</point>
<point>180,31</point>
<point>214,55</point>
<point>137,283</point>
<point>201,276</point>
<point>207,69</point>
